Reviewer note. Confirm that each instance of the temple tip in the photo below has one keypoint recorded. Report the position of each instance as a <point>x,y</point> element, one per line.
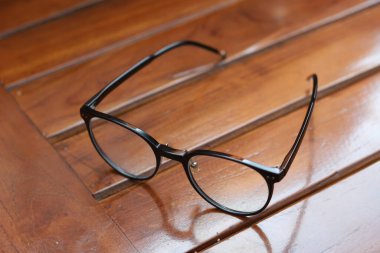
<point>314,78</point>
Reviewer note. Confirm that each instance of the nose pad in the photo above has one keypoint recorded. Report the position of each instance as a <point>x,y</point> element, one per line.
<point>194,165</point>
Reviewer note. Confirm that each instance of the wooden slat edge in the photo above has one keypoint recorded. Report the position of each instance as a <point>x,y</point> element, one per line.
<point>48,18</point>
<point>122,43</point>
<point>79,127</point>
<point>303,198</point>
<point>303,31</point>
<point>271,116</point>
<point>333,126</point>
<point>295,198</point>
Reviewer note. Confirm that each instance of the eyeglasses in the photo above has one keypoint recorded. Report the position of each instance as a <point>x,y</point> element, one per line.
<point>216,176</point>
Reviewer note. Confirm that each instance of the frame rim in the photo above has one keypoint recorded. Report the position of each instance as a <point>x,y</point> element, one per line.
<point>270,178</point>
<point>202,152</point>
<point>88,114</point>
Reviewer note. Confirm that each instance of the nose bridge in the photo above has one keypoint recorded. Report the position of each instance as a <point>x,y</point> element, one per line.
<point>172,153</point>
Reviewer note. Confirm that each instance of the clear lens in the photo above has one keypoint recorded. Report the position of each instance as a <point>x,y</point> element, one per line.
<point>128,152</point>
<point>229,183</point>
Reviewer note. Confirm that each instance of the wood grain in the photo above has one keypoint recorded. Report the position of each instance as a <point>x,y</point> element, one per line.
<point>166,210</point>
<point>43,205</point>
<point>17,15</point>
<point>251,105</point>
<point>241,29</point>
<point>90,32</point>
<point>342,218</point>
<point>259,89</point>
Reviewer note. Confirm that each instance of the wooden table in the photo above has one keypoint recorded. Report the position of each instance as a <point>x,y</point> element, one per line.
<point>58,195</point>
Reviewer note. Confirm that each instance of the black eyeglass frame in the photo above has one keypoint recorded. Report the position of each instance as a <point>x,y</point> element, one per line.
<point>271,175</point>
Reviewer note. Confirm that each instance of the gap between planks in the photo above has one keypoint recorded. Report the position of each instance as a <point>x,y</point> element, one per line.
<point>168,87</point>
<point>255,123</point>
<point>49,18</point>
<point>122,43</point>
<point>291,200</point>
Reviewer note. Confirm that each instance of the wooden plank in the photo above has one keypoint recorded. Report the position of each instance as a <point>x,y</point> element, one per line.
<point>66,90</point>
<point>17,15</point>
<point>343,218</point>
<point>259,89</point>
<point>90,32</point>
<point>166,213</point>
<point>43,205</point>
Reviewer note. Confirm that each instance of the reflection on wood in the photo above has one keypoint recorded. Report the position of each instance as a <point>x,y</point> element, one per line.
<point>250,105</point>
<point>341,218</point>
<point>255,95</point>
<point>339,134</point>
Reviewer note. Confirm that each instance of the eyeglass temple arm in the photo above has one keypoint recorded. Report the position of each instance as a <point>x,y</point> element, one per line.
<point>95,100</point>
<point>288,160</point>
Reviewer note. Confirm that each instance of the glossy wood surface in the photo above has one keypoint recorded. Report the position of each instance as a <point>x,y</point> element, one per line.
<point>103,27</point>
<point>167,211</point>
<point>30,13</point>
<point>241,29</point>
<point>342,218</point>
<point>43,205</point>
<point>259,88</point>
<point>59,196</point>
